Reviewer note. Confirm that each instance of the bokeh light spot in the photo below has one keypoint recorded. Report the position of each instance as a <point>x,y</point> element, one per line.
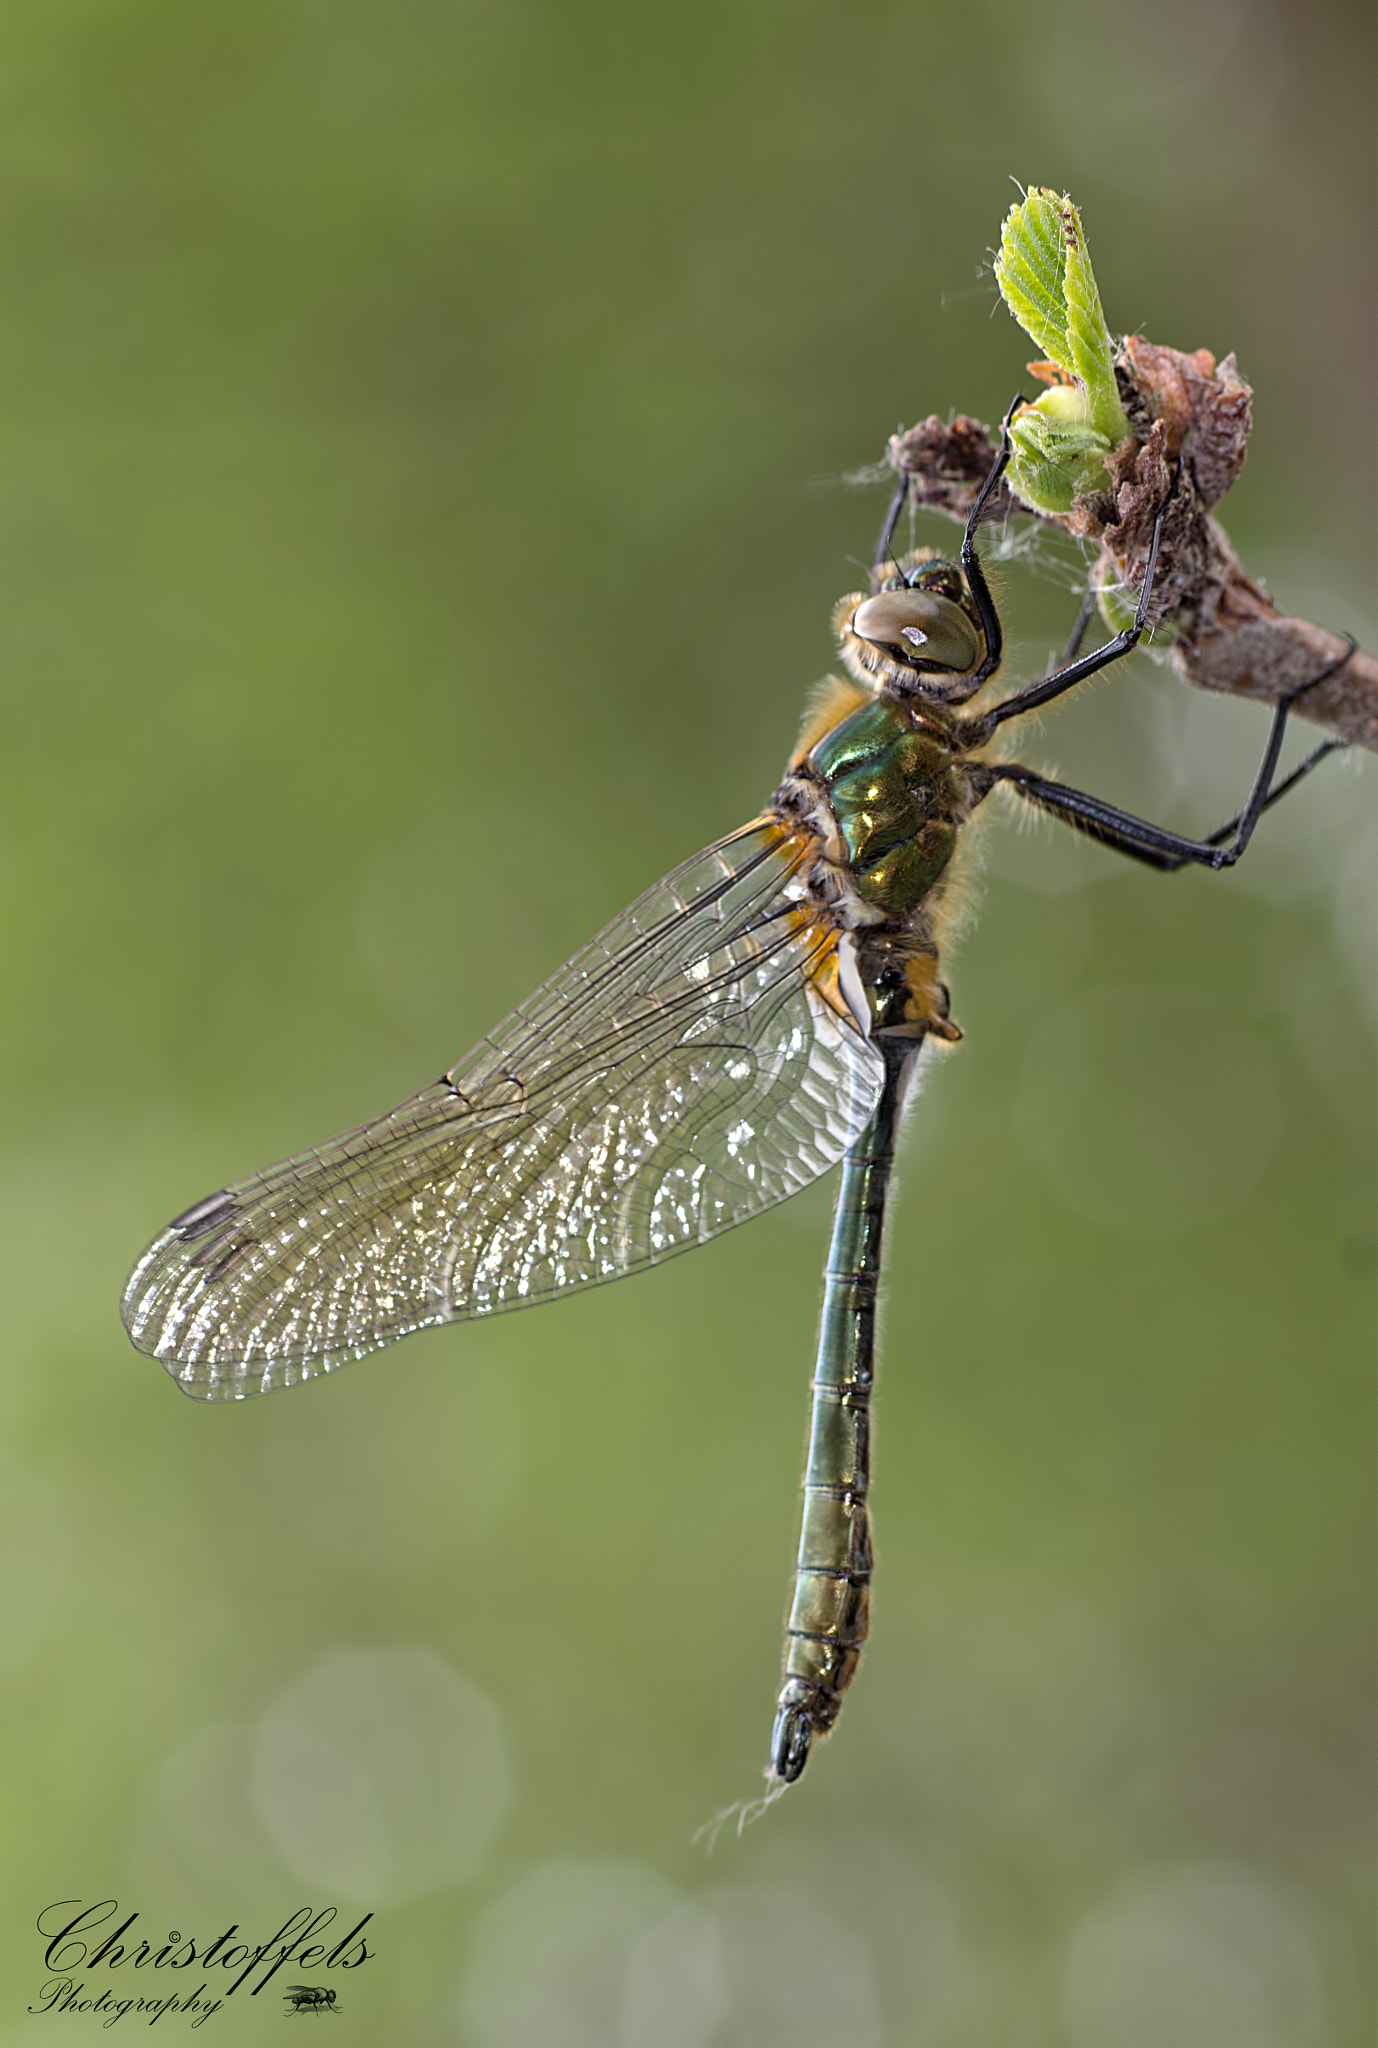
<point>604,1956</point>
<point>1203,1957</point>
<point>381,1774</point>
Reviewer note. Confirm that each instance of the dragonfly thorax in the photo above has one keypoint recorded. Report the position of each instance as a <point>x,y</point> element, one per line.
<point>897,792</point>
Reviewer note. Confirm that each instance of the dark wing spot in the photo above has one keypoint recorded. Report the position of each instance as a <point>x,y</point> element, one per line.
<point>203,1216</point>
<point>206,1254</point>
<point>228,1259</point>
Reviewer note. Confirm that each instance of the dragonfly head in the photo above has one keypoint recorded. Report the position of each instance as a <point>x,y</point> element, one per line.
<point>918,633</point>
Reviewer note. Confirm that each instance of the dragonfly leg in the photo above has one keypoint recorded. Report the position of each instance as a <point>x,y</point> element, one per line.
<point>971,561</point>
<point>1075,671</point>
<point>1154,844</point>
<point>991,629</point>
<point>892,519</point>
<point>1078,633</point>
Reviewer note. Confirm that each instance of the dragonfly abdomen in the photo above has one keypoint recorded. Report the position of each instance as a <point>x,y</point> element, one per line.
<point>829,1612</point>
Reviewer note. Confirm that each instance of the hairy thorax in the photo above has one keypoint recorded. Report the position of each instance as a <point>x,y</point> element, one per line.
<point>883,784</point>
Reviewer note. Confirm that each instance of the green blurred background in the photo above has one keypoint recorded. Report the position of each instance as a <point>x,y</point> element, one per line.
<point>424,432</point>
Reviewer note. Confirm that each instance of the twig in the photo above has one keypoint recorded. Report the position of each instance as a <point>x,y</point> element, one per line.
<point>1227,633</point>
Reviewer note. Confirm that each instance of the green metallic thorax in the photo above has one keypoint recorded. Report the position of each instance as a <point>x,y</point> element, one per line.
<point>898,795</point>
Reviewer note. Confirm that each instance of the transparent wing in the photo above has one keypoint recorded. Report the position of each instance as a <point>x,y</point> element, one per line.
<point>689,1068</point>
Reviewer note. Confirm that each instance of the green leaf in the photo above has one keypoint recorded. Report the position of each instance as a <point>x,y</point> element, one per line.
<point>1045,278</point>
<point>1029,271</point>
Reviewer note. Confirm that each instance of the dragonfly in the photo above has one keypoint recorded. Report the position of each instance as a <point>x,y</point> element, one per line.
<point>758,1017</point>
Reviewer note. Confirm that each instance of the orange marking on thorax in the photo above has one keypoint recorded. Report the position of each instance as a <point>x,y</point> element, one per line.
<point>784,831</point>
<point>825,981</point>
<point>808,923</point>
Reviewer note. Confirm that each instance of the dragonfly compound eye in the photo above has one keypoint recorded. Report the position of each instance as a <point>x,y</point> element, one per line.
<point>920,628</point>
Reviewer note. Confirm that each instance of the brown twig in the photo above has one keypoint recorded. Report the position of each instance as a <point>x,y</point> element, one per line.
<point>1228,634</point>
